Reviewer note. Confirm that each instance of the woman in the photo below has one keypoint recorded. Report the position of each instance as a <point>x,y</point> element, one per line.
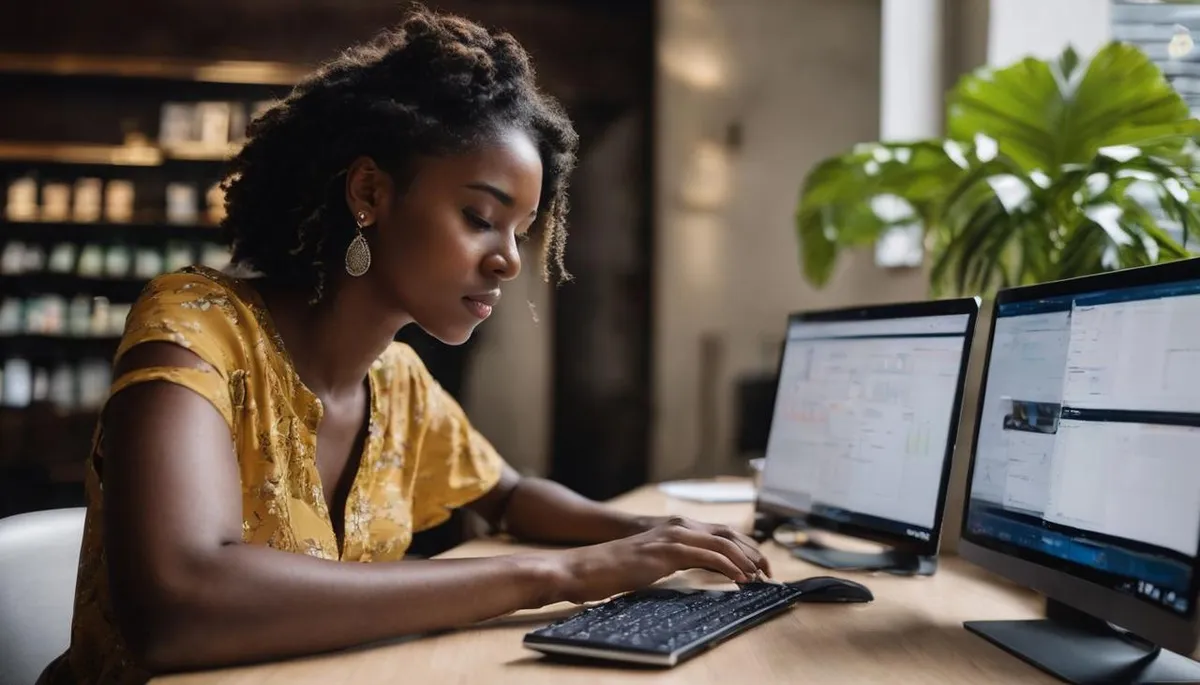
<point>263,430</point>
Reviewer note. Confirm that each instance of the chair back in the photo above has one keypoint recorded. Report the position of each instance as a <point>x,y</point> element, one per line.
<point>39,560</point>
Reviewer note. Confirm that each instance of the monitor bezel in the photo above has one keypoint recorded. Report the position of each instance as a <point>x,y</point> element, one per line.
<point>968,306</point>
<point>1045,574</point>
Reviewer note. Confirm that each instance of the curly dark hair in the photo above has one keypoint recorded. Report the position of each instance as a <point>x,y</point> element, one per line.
<point>435,84</point>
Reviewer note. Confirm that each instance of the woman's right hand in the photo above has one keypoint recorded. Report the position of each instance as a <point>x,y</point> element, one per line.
<point>601,571</point>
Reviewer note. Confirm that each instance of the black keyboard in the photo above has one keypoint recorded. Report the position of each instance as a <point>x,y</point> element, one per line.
<point>660,626</point>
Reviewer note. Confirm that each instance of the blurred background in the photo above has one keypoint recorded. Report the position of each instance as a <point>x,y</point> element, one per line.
<point>700,122</point>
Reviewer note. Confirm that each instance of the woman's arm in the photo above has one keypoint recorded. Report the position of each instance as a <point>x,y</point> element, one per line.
<point>187,593</point>
<point>540,510</point>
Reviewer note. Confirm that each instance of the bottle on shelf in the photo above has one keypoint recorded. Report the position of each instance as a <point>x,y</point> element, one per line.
<point>79,316</point>
<point>12,316</point>
<point>62,258</point>
<point>95,377</point>
<point>118,260</point>
<point>62,387</point>
<point>91,261</point>
<point>87,205</point>
<point>56,202</point>
<point>118,201</point>
<point>12,258</point>
<point>18,382</point>
<point>21,201</point>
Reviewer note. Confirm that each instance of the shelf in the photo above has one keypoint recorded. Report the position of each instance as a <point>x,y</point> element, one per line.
<point>81,153</point>
<point>224,71</point>
<point>48,232</point>
<point>51,348</point>
<point>191,152</point>
<point>105,111</point>
<point>124,290</point>
<point>110,155</point>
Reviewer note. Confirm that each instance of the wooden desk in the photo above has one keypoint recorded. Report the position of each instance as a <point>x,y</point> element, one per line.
<point>912,633</point>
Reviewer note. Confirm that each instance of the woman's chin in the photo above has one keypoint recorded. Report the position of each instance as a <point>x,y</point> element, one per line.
<point>450,336</point>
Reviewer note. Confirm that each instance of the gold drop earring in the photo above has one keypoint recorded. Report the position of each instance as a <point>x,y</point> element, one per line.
<point>358,254</point>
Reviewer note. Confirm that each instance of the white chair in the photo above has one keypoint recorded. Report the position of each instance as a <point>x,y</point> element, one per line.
<point>39,558</point>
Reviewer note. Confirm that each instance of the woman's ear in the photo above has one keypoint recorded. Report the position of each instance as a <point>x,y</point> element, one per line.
<point>366,187</point>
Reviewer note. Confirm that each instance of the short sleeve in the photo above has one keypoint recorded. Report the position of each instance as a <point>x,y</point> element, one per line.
<point>204,382</point>
<point>199,315</point>
<point>456,464</point>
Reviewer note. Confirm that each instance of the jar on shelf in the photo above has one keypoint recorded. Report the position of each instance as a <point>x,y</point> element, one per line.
<point>12,259</point>
<point>12,316</point>
<point>86,207</point>
<point>182,205</point>
<point>21,201</point>
<point>56,202</point>
<point>179,255</point>
<point>118,260</point>
<point>62,258</point>
<point>91,261</point>
<point>18,382</point>
<point>95,377</point>
<point>118,201</point>
<point>147,263</point>
<point>79,316</point>
<point>62,387</point>
<point>100,317</point>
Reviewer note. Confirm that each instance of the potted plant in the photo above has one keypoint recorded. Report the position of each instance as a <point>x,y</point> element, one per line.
<point>1049,169</point>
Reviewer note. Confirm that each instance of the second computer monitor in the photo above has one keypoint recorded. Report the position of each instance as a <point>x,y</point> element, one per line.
<point>864,426</point>
<point>1084,483</point>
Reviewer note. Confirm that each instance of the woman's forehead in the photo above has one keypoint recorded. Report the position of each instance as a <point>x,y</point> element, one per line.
<point>509,161</point>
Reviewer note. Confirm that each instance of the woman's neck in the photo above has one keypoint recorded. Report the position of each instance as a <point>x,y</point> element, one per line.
<point>333,342</point>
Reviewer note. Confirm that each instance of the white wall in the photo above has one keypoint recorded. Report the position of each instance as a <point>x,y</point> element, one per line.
<point>801,80</point>
<point>1043,28</point>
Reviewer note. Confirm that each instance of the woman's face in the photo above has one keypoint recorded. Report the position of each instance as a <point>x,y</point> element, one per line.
<point>443,245</point>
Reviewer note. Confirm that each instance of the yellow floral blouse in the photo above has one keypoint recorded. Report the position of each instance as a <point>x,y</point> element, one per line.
<point>421,457</point>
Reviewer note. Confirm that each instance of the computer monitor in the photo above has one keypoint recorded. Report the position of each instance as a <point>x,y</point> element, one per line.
<point>1084,481</point>
<point>863,429</point>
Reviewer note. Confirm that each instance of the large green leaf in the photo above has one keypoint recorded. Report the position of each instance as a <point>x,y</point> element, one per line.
<point>1046,115</point>
<point>1084,221</point>
<point>1052,169</point>
<point>1017,106</point>
<point>841,196</point>
<point>818,250</point>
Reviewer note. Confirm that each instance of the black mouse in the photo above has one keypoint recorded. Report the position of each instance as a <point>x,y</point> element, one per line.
<point>827,589</point>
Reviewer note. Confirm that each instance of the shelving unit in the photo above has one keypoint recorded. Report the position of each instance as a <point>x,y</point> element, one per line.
<point>49,232</point>
<point>166,69</point>
<point>44,347</point>
<point>105,119</point>
<point>44,154</point>
<point>30,285</point>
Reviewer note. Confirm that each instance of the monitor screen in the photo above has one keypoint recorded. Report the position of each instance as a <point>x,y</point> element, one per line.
<point>864,417</point>
<point>1088,450</point>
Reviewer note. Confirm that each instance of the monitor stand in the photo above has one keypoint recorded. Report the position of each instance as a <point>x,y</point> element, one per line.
<point>1081,649</point>
<point>889,560</point>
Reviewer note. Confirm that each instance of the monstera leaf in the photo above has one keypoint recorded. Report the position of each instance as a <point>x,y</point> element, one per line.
<point>1051,169</point>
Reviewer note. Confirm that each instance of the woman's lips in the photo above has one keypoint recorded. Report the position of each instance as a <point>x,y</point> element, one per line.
<point>481,305</point>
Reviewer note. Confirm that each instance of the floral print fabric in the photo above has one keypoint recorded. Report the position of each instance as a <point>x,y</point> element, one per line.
<point>421,457</point>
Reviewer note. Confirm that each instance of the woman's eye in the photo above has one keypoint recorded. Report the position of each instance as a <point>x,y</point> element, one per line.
<point>476,220</point>
<point>522,238</point>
